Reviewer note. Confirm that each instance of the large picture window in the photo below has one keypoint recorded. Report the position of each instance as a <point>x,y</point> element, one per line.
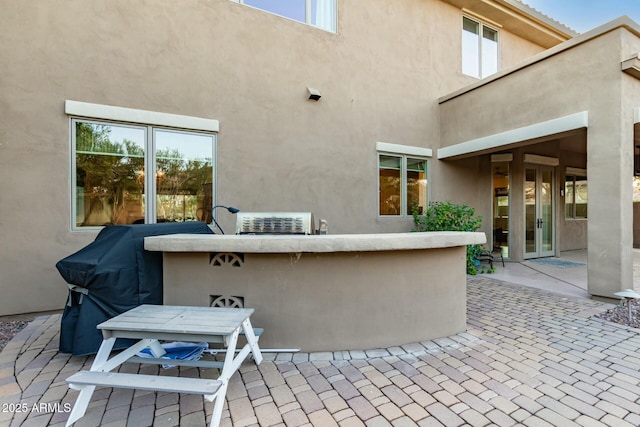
<point>479,49</point>
<point>134,174</point>
<point>318,13</point>
<point>402,184</point>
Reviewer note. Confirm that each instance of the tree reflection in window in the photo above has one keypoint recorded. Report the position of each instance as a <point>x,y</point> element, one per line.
<point>109,175</point>
<point>402,184</point>
<point>184,167</point>
<point>111,181</point>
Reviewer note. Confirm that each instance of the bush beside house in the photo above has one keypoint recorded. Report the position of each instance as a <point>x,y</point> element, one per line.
<point>447,216</point>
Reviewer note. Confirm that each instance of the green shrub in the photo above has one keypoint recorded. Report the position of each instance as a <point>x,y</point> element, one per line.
<point>447,216</point>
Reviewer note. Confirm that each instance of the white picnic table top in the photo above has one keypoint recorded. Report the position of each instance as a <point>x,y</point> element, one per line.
<point>188,320</point>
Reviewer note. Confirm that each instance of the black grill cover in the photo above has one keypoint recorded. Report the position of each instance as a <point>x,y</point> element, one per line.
<point>113,274</point>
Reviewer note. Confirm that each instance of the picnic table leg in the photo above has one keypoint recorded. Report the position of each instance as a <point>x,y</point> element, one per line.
<point>82,402</point>
<point>225,375</point>
<point>252,340</point>
<point>103,353</point>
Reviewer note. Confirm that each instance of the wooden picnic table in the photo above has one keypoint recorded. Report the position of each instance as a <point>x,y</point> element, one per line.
<point>153,323</point>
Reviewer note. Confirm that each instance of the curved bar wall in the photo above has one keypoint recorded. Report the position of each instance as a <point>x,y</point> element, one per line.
<point>326,292</point>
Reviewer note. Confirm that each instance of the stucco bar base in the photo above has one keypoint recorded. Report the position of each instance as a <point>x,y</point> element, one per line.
<point>317,297</point>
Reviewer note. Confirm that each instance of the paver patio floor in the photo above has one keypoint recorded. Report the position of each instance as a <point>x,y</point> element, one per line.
<point>529,357</point>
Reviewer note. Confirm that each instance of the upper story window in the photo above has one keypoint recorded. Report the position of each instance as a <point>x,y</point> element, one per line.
<point>319,13</point>
<point>479,49</point>
<point>135,173</point>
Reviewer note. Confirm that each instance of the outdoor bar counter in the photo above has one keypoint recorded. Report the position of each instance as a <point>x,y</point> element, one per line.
<point>326,292</point>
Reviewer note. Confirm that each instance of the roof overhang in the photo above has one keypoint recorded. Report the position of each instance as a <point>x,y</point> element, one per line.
<point>502,140</point>
<point>519,19</point>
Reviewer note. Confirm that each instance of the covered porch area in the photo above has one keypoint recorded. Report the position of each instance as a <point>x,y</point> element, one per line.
<point>547,151</point>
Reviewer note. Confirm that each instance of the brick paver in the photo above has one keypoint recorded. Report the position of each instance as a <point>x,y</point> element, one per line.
<point>528,357</point>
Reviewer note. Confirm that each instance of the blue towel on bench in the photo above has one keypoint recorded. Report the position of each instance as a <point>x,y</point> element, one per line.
<point>178,351</point>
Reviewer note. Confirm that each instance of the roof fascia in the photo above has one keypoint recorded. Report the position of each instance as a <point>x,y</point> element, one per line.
<point>519,19</point>
<point>542,18</point>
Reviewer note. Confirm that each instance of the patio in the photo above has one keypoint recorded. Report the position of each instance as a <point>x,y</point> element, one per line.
<point>529,357</point>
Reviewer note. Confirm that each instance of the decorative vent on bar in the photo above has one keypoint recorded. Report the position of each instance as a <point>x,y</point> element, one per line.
<point>226,301</point>
<point>218,259</point>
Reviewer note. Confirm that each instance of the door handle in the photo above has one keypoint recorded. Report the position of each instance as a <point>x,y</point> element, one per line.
<point>539,223</point>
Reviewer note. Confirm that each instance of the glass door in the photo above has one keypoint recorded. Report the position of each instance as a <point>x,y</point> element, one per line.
<point>539,212</point>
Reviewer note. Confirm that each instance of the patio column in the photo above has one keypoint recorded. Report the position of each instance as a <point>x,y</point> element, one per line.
<point>610,216</point>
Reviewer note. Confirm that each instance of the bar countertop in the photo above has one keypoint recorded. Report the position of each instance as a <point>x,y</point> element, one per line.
<point>313,243</point>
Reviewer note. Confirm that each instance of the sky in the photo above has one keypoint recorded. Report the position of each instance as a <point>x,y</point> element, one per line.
<point>584,15</point>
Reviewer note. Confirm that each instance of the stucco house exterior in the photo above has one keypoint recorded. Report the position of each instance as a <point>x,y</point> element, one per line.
<point>125,112</point>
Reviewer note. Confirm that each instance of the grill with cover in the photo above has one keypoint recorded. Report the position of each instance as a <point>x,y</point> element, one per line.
<point>110,276</point>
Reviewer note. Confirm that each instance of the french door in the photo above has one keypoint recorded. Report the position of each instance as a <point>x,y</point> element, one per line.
<point>539,210</point>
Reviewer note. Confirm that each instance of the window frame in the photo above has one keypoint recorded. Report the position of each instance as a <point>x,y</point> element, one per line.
<point>574,173</point>
<point>149,122</point>
<point>307,12</point>
<point>480,56</point>
<point>403,153</point>
<point>496,193</point>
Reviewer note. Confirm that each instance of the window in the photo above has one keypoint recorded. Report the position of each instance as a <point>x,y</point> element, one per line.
<point>479,49</point>
<point>319,13</point>
<point>112,180</point>
<point>575,196</point>
<point>402,183</point>
<point>501,202</point>
<point>636,189</point>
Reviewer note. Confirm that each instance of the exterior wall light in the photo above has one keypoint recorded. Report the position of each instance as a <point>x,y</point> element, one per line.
<point>314,94</point>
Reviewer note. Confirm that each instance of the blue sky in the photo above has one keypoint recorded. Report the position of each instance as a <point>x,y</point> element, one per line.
<point>584,15</point>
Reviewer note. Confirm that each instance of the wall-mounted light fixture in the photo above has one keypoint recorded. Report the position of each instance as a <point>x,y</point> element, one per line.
<point>314,94</point>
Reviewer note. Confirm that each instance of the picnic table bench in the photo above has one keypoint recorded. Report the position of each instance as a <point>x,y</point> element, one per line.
<point>153,323</point>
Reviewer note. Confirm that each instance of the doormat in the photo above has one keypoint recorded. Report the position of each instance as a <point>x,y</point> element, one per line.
<point>557,262</point>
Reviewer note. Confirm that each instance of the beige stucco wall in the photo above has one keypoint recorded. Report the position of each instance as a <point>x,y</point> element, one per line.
<point>557,86</point>
<point>631,101</point>
<point>333,301</point>
<point>584,77</point>
<point>572,233</point>
<point>380,77</point>
<point>514,50</point>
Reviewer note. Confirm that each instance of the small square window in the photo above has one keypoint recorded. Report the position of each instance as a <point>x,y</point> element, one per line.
<point>402,185</point>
